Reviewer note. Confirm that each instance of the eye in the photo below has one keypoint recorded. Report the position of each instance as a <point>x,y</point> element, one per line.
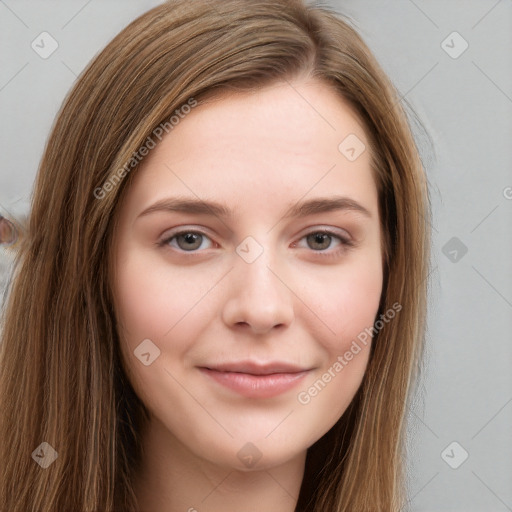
<point>318,241</point>
<point>187,241</point>
<point>321,240</point>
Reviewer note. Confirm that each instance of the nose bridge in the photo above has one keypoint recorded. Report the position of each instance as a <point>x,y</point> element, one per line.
<point>256,266</point>
<point>259,296</point>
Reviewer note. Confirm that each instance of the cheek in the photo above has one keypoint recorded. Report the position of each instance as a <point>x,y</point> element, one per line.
<point>348,304</point>
<point>348,301</point>
<point>151,301</point>
<point>157,303</point>
<point>151,304</point>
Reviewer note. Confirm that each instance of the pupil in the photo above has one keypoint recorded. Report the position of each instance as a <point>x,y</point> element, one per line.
<point>190,239</point>
<point>321,238</point>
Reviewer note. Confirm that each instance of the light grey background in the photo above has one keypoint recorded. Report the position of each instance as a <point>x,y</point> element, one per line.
<point>465,103</point>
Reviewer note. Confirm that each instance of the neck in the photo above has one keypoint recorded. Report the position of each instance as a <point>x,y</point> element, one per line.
<point>173,479</point>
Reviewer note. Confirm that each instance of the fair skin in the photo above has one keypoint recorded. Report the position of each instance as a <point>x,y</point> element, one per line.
<point>223,436</point>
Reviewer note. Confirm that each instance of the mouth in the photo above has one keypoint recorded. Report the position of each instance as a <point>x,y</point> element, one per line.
<point>254,380</point>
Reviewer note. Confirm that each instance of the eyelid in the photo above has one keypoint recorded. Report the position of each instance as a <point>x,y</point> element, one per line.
<point>343,234</point>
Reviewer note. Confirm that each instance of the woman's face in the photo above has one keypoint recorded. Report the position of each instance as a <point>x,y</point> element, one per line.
<point>238,320</point>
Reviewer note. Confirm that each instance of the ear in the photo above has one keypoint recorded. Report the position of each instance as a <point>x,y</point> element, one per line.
<point>9,231</point>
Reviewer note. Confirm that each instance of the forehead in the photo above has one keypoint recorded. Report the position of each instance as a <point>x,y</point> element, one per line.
<point>285,140</point>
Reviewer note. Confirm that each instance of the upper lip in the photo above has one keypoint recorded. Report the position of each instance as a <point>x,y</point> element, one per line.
<point>254,368</point>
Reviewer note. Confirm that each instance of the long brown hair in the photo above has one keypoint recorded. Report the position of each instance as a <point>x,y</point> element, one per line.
<point>62,381</point>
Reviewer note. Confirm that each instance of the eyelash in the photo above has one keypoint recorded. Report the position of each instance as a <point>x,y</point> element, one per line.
<point>345,243</point>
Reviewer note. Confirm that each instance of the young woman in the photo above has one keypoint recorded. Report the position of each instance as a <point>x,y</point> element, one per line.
<point>219,303</point>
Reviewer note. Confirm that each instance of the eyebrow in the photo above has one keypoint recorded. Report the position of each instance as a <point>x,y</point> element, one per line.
<point>301,209</point>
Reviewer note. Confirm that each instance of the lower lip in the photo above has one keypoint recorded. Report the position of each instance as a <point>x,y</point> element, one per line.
<point>256,386</point>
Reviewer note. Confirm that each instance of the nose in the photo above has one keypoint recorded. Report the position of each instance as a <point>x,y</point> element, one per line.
<point>260,298</point>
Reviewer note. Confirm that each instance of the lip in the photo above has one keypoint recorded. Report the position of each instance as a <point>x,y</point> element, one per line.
<point>254,380</point>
